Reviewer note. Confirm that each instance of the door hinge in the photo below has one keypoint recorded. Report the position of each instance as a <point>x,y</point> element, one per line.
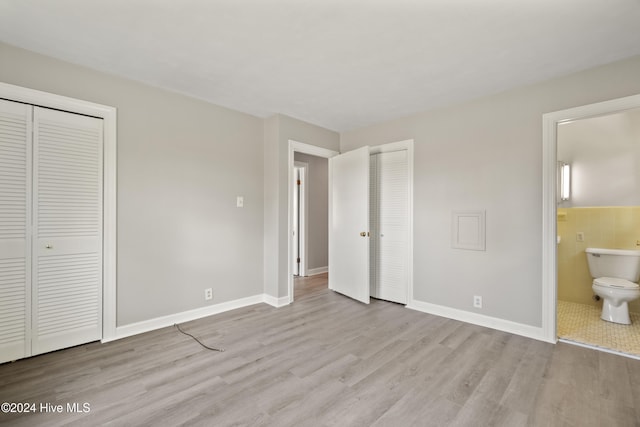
<point>299,182</point>
<point>298,260</point>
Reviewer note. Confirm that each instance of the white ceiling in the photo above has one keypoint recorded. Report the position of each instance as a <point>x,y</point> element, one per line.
<point>339,64</point>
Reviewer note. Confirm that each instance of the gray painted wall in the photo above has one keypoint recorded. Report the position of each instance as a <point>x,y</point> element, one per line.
<point>181,164</point>
<point>271,205</point>
<point>487,154</point>
<point>318,218</point>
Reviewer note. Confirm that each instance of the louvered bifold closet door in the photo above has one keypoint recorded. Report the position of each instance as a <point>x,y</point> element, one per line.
<point>392,226</point>
<point>15,173</point>
<point>67,217</point>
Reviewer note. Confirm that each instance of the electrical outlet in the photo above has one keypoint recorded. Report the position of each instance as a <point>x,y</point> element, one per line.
<point>579,236</point>
<point>239,202</point>
<point>477,301</point>
<point>208,294</point>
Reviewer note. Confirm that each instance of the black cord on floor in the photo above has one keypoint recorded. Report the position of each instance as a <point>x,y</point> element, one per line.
<point>197,340</point>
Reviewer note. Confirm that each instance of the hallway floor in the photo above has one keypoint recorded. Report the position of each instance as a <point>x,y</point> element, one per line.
<point>581,323</point>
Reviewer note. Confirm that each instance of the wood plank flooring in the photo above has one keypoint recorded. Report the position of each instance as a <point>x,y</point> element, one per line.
<point>326,360</point>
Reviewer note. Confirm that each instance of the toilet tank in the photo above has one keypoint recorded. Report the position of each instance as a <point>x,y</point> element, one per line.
<point>624,264</point>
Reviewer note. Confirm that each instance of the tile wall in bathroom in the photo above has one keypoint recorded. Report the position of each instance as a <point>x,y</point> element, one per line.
<point>601,227</point>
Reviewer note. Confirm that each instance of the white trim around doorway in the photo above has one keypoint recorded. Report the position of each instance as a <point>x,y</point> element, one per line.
<point>297,147</point>
<point>550,122</point>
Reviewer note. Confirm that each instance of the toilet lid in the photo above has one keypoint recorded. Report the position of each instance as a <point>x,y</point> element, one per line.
<point>614,282</point>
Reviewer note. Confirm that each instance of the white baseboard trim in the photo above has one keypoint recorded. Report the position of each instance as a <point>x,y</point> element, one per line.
<point>480,320</point>
<point>276,302</point>
<point>315,271</point>
<point>438,310</point>
<point>185,316</point>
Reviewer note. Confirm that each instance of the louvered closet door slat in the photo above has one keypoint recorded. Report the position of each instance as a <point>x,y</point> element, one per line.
<point>67,263</point>
<point>15,180</point>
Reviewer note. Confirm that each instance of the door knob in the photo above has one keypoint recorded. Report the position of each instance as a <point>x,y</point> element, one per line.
<point>364,233</point>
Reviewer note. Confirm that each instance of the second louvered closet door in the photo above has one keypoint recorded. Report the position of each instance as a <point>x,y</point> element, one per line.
<point>67,230</point>
<point>389,226</point>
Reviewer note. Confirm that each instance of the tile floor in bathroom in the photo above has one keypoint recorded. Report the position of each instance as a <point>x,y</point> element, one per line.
<point>581,323</point>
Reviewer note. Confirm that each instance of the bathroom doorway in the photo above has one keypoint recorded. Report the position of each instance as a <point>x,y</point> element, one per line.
<point>596,205</point>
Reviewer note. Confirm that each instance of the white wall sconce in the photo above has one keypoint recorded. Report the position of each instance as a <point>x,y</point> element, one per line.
<point>565,181</point>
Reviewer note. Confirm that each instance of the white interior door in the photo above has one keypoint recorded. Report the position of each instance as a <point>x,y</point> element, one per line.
<point>67,232</point>
<point>390,225</point>
<point>15,234</point>
<point>349,224</point>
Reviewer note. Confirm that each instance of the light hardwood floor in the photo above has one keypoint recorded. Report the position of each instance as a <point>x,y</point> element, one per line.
<point>326,360</point>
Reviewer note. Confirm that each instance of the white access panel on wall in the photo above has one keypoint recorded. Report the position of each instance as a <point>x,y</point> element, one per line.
<point>15,181</point>
<point>67,231</point>
<point>389,206</point>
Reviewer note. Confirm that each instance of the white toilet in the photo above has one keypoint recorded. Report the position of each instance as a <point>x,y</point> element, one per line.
<point>615,273</point>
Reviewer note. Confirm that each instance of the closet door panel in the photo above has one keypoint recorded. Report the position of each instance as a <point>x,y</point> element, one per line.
<point>67,209</point>
<point>15,182</point>
<point>392,226</point>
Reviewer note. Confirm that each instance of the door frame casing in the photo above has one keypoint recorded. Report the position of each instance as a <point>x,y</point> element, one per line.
<point>109,117</point>
<point>313,150</point>
<point>550,122</point>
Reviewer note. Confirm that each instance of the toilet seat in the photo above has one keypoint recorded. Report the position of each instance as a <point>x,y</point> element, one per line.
<point>614,282</point>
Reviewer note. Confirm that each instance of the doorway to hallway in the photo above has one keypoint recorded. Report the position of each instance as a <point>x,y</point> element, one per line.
<point>308,212</point>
